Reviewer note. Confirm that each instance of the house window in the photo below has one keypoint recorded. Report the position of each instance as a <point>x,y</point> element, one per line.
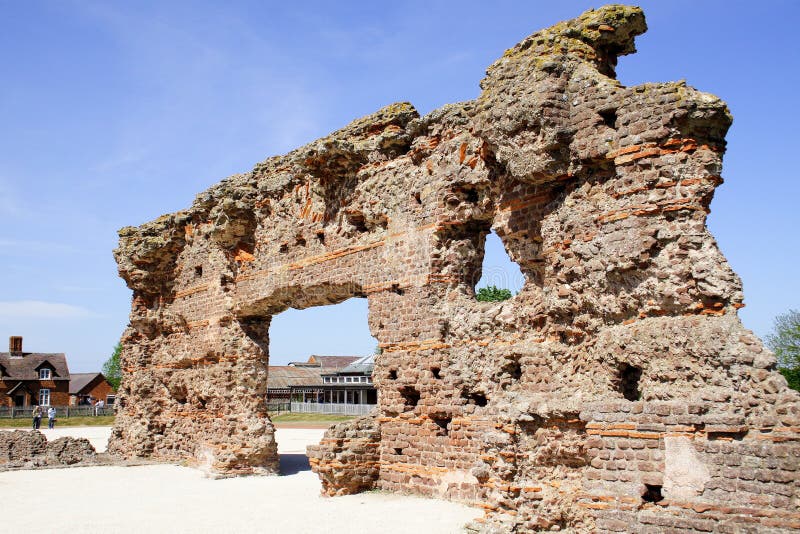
<point>110,399</point>
<point>44,397</point>
<point>44,374</point>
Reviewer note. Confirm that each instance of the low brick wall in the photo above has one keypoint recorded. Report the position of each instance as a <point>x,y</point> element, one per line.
<point>347,457</point>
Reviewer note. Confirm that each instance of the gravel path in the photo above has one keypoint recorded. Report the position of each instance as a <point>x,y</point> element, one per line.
<point>167,498</point>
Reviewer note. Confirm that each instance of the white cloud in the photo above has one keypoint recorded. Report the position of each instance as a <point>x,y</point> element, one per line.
<point>40,310</point>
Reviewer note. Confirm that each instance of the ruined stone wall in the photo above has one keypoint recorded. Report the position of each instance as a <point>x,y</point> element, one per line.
<point>618,391</point>
<point>23,449</point>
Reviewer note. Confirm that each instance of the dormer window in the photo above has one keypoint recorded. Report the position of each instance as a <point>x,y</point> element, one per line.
<point>44,374</point>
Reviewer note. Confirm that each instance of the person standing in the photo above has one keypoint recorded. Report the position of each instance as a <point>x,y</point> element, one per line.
<point>37,417</point>
<point>51,418</point>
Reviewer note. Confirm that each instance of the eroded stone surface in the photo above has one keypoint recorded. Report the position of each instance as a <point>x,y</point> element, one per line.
<point>551,409</point>
<point>30,449</point>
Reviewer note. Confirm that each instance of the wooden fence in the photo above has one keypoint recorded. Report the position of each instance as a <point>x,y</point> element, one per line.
<point>276,407</point>
<point>332,408</point>
<point>61,412</point>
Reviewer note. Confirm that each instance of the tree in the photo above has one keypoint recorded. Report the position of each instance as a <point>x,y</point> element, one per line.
<point>493,294</point>
<point>112,369</point>
<point>785,343</point>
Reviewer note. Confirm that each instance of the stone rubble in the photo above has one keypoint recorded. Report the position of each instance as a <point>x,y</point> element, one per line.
<point>617,392</point>
<point>22,449</point>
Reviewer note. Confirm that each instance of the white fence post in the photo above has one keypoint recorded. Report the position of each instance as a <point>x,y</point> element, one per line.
<point>331,408</point>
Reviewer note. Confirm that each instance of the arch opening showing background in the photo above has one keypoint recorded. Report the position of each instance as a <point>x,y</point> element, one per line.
<point>335,329</point>
<point>497,268</point>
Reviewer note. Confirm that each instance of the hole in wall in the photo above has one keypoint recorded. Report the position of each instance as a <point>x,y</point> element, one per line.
<point>300,241</point>
<point>179,394</point>
<point>477,398</point>
<point>443,424</point>
<point>284,248</point>
<point>436,372</point>
<point>357,220</point>
<point>410,396</point>
<point>499,278</point>
<point>629,377</point>
<point>398,451</point>
<point>321,237</point>
<point>514,369</point>
<point>652,493</point>
<point>397,290</point>
<point>727,436</point>
<point>417,197</point>
<point>471,195</point>
<point>198,271</point>
<point>392,374</point>
<point>609,117</point>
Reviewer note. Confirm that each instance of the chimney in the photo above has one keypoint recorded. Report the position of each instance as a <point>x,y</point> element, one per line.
<point>15,344</point>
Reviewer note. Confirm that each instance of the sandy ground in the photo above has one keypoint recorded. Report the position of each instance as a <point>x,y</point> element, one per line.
<point>167,498</point>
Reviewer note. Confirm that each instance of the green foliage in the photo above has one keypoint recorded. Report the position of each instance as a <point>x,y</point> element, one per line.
<point>792,376</point>
<point>784,341</point>
<point>493,294</point>
<point>112,369</point>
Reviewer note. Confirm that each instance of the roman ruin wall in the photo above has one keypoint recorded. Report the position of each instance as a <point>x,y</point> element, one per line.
<point>617,392</point>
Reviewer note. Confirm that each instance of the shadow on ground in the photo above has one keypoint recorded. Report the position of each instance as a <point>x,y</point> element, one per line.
<point>291,464</point>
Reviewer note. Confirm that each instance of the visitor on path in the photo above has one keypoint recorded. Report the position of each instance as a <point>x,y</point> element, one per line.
<point>37,417</point>
<point>98,408</point>
<point>51,418</point>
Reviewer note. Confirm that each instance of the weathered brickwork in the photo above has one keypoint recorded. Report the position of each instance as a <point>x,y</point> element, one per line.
<point>617,392</point>
<point>348,460</point>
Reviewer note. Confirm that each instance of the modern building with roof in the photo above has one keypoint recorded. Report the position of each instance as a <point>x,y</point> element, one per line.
<point>32,378</point>
<point>325,384</point>
<point>88,388</point>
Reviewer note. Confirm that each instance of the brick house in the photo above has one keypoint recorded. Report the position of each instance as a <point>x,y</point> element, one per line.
<point>88,388</point>
<point>31,378</point>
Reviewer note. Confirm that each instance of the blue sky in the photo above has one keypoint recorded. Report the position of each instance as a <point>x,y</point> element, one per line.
<point>113,113</point>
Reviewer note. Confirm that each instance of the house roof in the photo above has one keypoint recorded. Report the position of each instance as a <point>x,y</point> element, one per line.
<point>362,366</point>
<point>332,361</point>
<point>24,366</point>
<point>284,376</point>
<point>81,380</point>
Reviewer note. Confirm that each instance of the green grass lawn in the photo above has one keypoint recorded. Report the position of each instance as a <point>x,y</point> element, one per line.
<point>288,417</point>
<point>25,422</point>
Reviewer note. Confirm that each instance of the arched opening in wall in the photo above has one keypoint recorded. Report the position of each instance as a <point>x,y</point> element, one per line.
<point>501,278</point>
<point>320,367</point>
